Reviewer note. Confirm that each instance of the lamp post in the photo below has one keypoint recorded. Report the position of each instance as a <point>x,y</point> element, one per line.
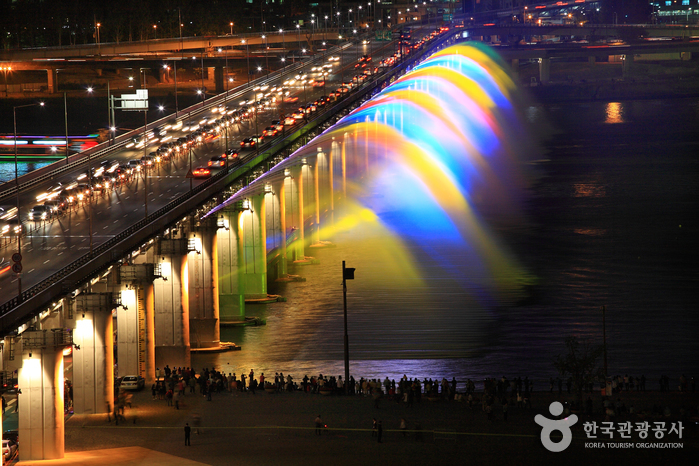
<point>298,34</point>
<point>266,57</point>
<point>18,270</point>
<point>202,77</point>
<point>65,119</point>
<point>347,274</point>
<point>98,37</point>
<point>231,24</point>
<point>247,56</point>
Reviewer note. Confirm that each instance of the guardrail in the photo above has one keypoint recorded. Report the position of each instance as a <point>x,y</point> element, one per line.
<point>20,308</point>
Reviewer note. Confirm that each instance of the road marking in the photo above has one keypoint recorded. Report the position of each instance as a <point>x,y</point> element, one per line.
<point>105,227</point>
<point>135,210</point>
<point>59,253</point>
<point>115,221</point>
<point>31,271</point>
<point>126,215</point>
<point>46,261</point>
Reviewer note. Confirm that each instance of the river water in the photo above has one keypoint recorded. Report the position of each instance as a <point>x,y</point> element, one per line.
<point>611,220</point>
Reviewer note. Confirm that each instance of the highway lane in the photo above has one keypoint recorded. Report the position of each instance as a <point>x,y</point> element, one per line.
<point>49,246</point>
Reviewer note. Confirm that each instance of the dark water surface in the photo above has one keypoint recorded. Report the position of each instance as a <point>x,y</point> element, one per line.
<point>612,220</point>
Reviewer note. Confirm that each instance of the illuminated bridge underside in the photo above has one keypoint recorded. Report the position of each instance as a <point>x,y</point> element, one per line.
<point>417,171</point>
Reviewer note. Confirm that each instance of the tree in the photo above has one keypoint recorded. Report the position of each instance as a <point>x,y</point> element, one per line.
<point>580,363</point>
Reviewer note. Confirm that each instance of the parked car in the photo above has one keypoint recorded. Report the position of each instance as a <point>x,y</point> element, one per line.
<point>132,382</point>
<point>10,450</point>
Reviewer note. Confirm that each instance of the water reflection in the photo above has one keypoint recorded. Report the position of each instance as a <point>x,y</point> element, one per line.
<point>615,113</point>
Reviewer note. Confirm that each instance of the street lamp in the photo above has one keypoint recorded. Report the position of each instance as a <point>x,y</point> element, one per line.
<point>155,30</point>
<point>247,56</point>
<point>98,37</point>
<point>231,27</point>
<point>298,34</point>
<point>18,270</point>
<point>266,54</point>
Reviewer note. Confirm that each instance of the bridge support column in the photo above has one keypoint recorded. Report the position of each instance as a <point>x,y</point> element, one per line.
<point>135,322</point>
<point>93,363</point>
<point>515,66</point>
<point>171,316</point>
<point>276,231</point>
<point>326,191</point>
<point>41,417</point>
<point>231,291</point>
<point>51,81</point>
<point>627,65</point>
<point>293,185</point>
<point>254,234</point>
<point>218,79</point>
<point>311,201</point>
<point>202,287</point>
<point>544,70</point>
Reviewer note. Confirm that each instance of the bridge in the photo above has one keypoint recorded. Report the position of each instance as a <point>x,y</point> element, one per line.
<point>142,252</point>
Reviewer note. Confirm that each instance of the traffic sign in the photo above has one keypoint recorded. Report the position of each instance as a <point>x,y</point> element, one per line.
<point>17,267</point>
<point>16,257</point>
<point>189,174</point>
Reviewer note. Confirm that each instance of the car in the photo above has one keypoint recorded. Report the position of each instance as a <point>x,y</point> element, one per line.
<point>7,212</point>
<point>9,450</point>
<point>278,125</point>
<point>343,90</point>
<point>5,266</point>
<point>298,115</point>
<point>135,164</point>
<point>230,154</point>
<point>56,204</point>
<point>217,161</point>
<point>270,131</point>
<point>201,172</point>
<point>40,212</point>
<point>11,435</point>
<point>248,142</point>
<point>289,121</point>
<point>132,382</point>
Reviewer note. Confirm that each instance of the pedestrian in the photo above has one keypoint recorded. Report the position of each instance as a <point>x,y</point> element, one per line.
<point>403,427</point>
<point>187,432</point>
<point>176,398</point>
<point>319,425</point>
<point>380,432</point>
<point>374,426</point>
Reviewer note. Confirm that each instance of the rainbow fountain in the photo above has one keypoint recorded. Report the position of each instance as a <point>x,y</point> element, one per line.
<point>432,171</point>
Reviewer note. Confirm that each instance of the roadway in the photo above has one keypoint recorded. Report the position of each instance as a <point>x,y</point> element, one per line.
<point>48,246</point>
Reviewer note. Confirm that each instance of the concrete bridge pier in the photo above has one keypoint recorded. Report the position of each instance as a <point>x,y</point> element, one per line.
<point>135,320</point>
<point>627,65</point>
<point>171,310</point>
<point>515,67</point>
<point>544,70</point>
<point>293,210</point>
<point>275,221</point>
<point>253,230</point>
<point>41,404</point>
<point>93,364</point>
<point>229,248</point>
<point>51,79</point>
<point>201,285</point>
<point>326,191</point>
<point>311,205</point>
